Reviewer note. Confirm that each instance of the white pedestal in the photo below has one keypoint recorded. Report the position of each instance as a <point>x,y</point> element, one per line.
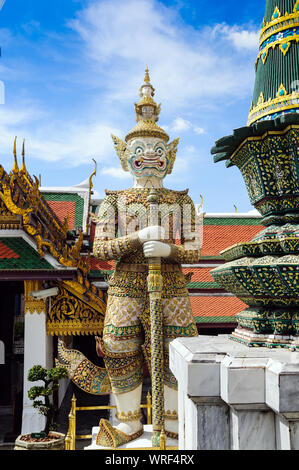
<point>144,442</point>
<point>235,397</point>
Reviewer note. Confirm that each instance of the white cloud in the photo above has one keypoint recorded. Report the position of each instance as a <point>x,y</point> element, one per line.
<point>198,130</point>
<point>115,172</point>
<point>188,66</point>
<point>241,38</point>
<point>49,139</point>
<point>181,124</point>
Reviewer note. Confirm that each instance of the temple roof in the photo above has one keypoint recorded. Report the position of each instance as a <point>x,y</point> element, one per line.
<point>38,244</point>
<point>65,205</point>
<point>16,254</point>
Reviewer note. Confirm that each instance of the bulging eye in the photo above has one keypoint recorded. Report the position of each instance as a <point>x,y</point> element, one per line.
<point>139,152</point>
<point>159,151</point>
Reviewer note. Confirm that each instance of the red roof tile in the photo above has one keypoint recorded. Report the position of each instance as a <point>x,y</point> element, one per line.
<point>216,306</point>
<point>62,209</point>
<point>199,274</point>
<point>7,253</point>
<point>218,237</point>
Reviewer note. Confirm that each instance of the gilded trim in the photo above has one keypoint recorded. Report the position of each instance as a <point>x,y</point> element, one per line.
<point>261,137</point>
<point>282,102</point>
<point>281,42</point>
<point>129,417</point>
<point>277,21</point>
<point>33,305</point>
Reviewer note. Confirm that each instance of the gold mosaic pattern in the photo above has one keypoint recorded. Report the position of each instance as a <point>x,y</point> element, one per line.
<point>119,210</point>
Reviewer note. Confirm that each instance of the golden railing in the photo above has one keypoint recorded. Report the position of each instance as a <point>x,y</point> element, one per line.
<point>71,437</point>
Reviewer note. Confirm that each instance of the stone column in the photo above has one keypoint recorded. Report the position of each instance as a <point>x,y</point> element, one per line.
<point>282,386</point>
<point>38,350</point>
<point>243,388</point>
<point>203,416</point>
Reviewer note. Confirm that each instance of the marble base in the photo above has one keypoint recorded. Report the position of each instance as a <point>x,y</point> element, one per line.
<point>144,442</point>
<point>235,397</point>
<point>249,338</point>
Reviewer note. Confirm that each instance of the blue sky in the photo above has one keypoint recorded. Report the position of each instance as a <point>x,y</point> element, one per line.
<point>72,70</point>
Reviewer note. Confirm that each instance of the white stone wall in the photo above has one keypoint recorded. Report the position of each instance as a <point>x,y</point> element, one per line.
<point>232,397</point>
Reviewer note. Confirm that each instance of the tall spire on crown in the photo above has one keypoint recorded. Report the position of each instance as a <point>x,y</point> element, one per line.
<point>146,78</point>
<point>276,89</point>
<point>147,113</point>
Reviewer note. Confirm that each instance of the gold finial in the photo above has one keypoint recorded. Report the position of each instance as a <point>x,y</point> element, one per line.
<point>147,77</point>
<point>93,174</point>
<point>23,167</point>
<point>236,209</point>
<point>90,190</point>
<point>15,168</point>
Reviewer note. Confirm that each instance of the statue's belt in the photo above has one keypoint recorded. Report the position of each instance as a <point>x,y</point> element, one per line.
<point>142,268</point>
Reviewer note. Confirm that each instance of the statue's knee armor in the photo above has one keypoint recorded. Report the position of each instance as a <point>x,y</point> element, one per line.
<point>123,357</point>
<point>178,321</point>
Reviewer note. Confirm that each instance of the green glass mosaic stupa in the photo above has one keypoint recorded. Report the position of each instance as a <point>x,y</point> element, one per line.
<point>264,273</point>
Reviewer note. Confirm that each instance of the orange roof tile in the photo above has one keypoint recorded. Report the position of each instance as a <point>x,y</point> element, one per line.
<point>199,274</point>
<point>218,237</point>
<point>216,306</point>
<point>62,209</point>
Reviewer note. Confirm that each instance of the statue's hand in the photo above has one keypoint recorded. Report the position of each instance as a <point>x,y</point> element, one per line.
<point>155,232</point>
<point>156,249</point>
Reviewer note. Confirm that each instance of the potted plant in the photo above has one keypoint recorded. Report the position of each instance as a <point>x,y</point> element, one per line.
<point>49,438</point>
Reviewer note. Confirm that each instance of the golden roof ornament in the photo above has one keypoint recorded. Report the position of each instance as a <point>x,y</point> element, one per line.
<point>15,167</point>
<point>23,167</point>
<point>147,114</point>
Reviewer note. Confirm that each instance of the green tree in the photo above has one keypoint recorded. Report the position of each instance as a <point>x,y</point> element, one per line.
<point>51,379</point>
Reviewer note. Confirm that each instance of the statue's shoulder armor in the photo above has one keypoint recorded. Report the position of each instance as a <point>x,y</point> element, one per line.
<point>179,194</point>
<point>183,193</point>
<point>115,192</point>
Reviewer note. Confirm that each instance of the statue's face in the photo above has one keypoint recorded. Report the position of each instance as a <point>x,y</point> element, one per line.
<point>148,157</point>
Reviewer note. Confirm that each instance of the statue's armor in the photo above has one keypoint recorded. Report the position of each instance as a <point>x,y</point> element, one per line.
<point>126,336</point>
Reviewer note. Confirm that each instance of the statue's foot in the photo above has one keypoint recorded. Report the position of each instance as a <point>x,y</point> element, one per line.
<point>109,436</point>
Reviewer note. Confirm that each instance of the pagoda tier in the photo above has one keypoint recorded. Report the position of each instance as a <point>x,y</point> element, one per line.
<point>276,89</point>
<point>264,273</point>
